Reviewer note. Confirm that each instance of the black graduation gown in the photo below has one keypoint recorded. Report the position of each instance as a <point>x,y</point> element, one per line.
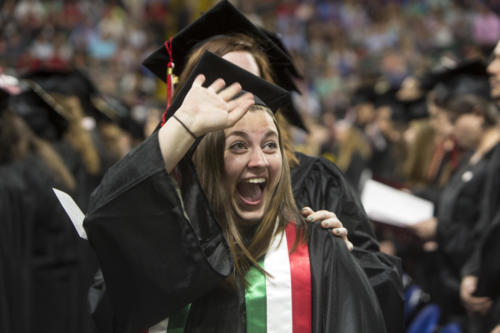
<point>459,216</point>
<point>484,261</point>
<point>319,184</point>
<point>44,251</point>
<point>16,230</point>
<point>159,253</point>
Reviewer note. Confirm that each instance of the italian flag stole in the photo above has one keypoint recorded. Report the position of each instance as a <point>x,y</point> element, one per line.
<point>279,303</point>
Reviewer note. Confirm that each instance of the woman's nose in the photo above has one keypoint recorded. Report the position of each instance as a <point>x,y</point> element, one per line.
<point>258,159</point>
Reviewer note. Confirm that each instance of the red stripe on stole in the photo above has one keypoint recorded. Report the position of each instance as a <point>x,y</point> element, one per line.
<point>300,270</point>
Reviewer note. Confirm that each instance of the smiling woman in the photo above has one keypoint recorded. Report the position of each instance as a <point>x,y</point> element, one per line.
<point>221,247</point>
<point>252,175</point>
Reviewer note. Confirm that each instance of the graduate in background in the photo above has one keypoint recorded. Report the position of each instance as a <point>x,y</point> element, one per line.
<point>40,266</point>
<point>479,290</point>
<point>457,226</point>
<point>230,245</point>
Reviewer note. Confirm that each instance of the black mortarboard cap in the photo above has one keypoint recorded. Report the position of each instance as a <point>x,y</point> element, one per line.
<point>71,82</point>
<point>415,109</point>
<point>40,111</point>
<point>222,19</point>
<point>291,69</point>
<point>122,115</point>
<point>389,98</point>
<point>467,77</point>
<point>214,67</point>
<point>364,94</point>
<point>225,19</point>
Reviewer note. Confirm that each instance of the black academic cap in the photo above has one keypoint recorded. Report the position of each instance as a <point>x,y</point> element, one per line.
<point>122,115</point>
<point>285,78</point>
<point>415,109</point>
<point>214,67</point>
<point>222,19</point>
<point>364,94</point>
<point>225,19</point>
<point>276,38</point>
<point>71,82</point>
<point>389,98</point>
<point>40,111</point>
<point>467,77</point>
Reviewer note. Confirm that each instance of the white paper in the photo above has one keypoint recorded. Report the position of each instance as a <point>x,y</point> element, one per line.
<point>74,212</point>
<point>392,206</point>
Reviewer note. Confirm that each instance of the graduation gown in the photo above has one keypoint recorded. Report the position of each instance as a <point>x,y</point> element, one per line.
<point>42,280</point>
<point>319,184</point>
<point>160,248</point>
<point>459,227</point>
<point>484,261</point>
<point>16,251</point>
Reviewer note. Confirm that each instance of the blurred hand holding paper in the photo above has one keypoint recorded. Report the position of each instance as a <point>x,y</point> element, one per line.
<point>388,205</point>
<point>74,212</point>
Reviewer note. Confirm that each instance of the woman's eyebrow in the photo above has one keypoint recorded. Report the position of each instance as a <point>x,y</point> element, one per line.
<point>237,133</point>
<point>271,133</point>
<point>245,135</point>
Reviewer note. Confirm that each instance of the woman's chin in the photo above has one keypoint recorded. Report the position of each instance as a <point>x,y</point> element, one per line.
<point>249,218</point>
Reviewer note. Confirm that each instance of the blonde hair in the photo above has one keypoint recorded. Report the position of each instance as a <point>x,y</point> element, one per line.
<point>282,208</point>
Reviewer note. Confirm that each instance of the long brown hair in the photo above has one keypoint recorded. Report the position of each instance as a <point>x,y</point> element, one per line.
<point>282,208</point>
<point>223,44</point>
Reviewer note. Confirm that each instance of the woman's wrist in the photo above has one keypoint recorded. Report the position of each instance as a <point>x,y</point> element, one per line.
<point>174,142</point>
<point>188,121</point>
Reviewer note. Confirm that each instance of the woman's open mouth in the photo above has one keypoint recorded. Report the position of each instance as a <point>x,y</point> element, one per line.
<point>251,190</point>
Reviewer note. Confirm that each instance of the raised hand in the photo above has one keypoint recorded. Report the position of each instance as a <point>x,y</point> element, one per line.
<point>209,109</point>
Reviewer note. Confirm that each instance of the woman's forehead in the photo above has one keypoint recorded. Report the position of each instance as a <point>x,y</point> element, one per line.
<point>256,120</point>
<point>244,59</point>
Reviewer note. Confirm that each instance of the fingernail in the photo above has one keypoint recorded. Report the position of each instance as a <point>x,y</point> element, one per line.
<point>310,218</point>
<point>337,231</point>
<point>325,224</point>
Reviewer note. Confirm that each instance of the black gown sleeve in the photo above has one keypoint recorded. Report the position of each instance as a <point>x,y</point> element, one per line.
<point>319,184</point>
<point>343,298</point>
<point>156,254</point>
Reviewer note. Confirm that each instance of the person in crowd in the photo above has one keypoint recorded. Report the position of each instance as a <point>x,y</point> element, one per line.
<point>345,146</point>
<point>479,285</point>
<point>41,262</point>
<point>225,234</point>
<point>456,227</point>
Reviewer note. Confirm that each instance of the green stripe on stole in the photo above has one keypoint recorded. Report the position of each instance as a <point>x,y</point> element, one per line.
<point>255,300</point>
<point>255,303</point>
<point>177,321</point>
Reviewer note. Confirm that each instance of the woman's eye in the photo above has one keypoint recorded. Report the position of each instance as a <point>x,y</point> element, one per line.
<point>271,145</point>
<point>237,146</point>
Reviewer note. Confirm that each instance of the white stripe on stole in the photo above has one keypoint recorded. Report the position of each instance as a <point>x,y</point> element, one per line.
<point>279,287</point>
<point>161,327</point>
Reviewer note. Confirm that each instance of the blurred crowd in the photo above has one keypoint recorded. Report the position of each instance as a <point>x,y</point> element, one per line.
<point>386,86</point>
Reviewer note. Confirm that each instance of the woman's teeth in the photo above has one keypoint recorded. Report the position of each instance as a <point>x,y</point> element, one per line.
<point>256,180</point>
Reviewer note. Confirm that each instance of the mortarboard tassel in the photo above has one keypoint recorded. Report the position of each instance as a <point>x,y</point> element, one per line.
<point>170,79</point>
